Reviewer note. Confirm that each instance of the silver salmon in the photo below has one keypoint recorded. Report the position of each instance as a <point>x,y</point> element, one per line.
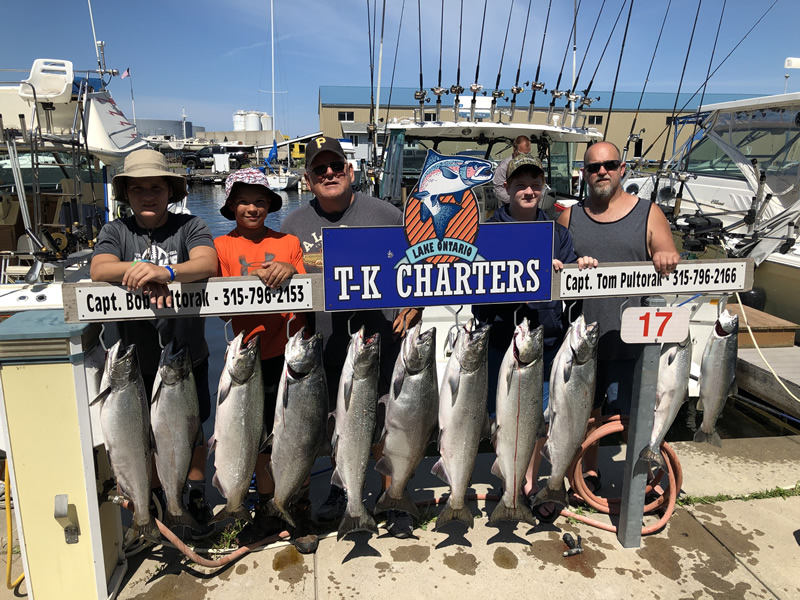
<point>520,420</point>
<point>673,385</point>
<point>175,419</point>
<point>238,426</point>
<point>572,385</point>
<point>356,404</point>
<point>463,419</point>
<point>412,413</point>
<point>300,429</point>
<point>125,421</point>
<point>717,375</point>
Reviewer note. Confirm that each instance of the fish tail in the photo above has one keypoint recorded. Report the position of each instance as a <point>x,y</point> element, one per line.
<point>360,521</point>
<point>184,519</point>
<point>403,504</point>
<point>712,437</point>
<point>653,457</point>
<point>279,511</point>
<point>463,514</point>
<point>240,514</point>
<point>558,497</point>
<point>520,512</point>
<point>147,530</point>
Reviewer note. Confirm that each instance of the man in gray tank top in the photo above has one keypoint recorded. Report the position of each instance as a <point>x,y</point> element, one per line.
<point>614,226</point>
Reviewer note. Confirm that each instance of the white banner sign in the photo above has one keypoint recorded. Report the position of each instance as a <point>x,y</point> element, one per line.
<point>217,296</point>
<point>642,325</point>
<point>641,279</point>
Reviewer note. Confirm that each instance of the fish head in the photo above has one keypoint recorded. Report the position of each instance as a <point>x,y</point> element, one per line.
<point>473,344</point>
<point>302,354</point>
<point>122,364</point>
<point>174,366</point>
<point>366,353</point>
<point>583,339</point>
<point>475,171</point>
<point>419,349</point>
<point>242,358</point>
<point>727,324</point>
<point>527,344</point>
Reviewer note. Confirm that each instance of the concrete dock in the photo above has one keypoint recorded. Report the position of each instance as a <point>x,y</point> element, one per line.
<point>722,549</point>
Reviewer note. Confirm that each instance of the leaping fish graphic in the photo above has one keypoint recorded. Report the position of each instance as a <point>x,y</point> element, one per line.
<point>447,175</point>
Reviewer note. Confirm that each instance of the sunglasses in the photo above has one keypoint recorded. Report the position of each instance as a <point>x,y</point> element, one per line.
<point>608,165</point>
<point>337,166</point>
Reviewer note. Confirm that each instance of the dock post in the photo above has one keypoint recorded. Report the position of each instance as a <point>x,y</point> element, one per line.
<point>640,426</point>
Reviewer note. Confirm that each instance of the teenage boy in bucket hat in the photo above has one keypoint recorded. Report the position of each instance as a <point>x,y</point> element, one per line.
<point>146,251</point>
<point>330,177</point>
<point>526,187</point>
<point>252,248</point>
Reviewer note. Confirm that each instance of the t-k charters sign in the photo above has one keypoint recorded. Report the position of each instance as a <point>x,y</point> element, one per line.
<point>441,255</point>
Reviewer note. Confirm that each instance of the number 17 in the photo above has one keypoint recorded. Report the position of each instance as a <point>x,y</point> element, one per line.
<point>666,316</point>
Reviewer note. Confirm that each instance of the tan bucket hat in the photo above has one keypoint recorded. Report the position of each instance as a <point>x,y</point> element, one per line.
<point>148,163</point>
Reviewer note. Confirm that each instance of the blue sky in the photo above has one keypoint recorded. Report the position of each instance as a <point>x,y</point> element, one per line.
<point>212,57</point>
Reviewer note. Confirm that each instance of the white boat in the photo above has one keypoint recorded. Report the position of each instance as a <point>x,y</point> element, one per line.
<point>62,137</point>
<point>739,185</point>
<point>282,180</point>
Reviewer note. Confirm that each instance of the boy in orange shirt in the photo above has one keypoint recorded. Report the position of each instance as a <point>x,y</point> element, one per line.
<point>248,200</point>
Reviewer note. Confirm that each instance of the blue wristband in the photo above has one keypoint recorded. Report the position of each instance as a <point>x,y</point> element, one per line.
<point>171,272</point>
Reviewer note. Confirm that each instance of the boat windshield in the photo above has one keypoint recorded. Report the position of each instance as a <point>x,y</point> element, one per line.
<point>53,167</point>
<point>772,136</point>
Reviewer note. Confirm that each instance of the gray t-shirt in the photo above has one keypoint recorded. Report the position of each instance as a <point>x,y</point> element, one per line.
<point>306,223</point>
<point>499,180</point>
<point>167,245</point>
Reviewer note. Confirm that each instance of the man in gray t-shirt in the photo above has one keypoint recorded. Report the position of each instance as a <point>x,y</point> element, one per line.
<point>330,178</point>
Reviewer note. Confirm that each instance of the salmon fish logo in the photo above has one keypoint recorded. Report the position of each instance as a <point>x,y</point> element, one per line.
<point>442,214</point>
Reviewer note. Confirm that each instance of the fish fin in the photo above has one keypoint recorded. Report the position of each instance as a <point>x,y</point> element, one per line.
<point>336,479</point>
<point>199,438</point>
<point>673,352</point>
<point>494,429</point>
<point>223,390</point>
<point>700,404</point>
<point>348,390</point>
<point>362,521</point>
<point>452,382</point>
<point>424,211</point>
<point>733,389</point>
<point>546,451</point>
<point>101,396</point>
<point>218,484</point>
<point>712,438</point>
<point>654,458</point>
<point>277,511</point>
<point>567,371</point>
<point>397,382</point>
<point>404,504</point>
<point>334,443</point>
<point>157,383</point>
<point>448,514</point>
<point>446,213</point>
<point>497,469</point>
<point>520,512</point>
<point>384,466</point>
<point>441,471</point>
<point>558,497</point>
<point>240,514</point>
<point>448,173</point>
<point>430,159</point>
<point>266,442</point>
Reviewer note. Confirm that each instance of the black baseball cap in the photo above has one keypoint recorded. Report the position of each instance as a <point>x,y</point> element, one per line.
<point>321,144</point>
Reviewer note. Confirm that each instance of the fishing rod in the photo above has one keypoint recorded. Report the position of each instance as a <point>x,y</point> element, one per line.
<point>476,87</point>
<point>682,176</point>
<point>372,107</point>
<point>421,93</point>
<point>497,93</point>
<point>457,89</point>
<point>675,106</point>
<point>571,95</point>
<point>439,90</point>
<point>391,84</point>
<point>556,93</point>
<point>586,101</point>
<point>719,66</point>
<point>517,89</point>
<point>537,85</point>
<point>631,136</point>
<point>373,127</point>
<point>619,64</point>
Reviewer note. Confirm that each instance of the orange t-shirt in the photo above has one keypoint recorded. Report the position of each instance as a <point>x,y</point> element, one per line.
<point>233,250</point>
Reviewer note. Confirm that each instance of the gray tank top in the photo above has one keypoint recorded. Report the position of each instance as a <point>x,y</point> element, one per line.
<point>619,241</point>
